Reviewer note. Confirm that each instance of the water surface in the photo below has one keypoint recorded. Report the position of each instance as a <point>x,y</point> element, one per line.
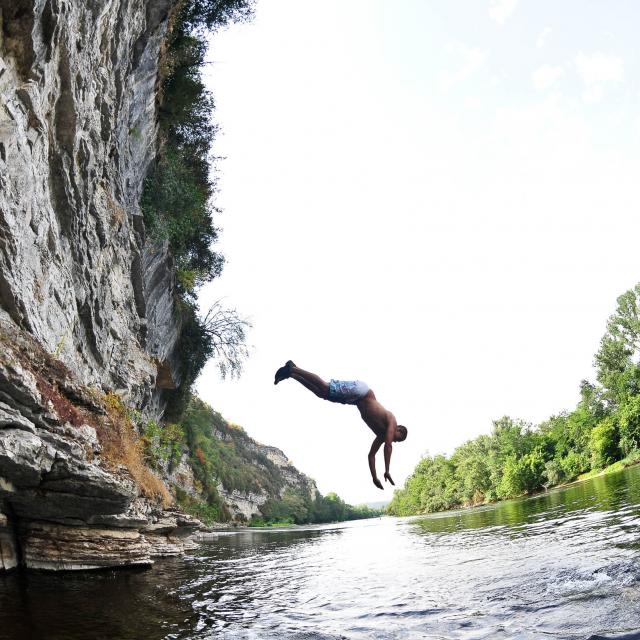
<point>561,565</point>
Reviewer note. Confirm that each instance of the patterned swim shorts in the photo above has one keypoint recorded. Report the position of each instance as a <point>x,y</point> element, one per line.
<point>347,391</point>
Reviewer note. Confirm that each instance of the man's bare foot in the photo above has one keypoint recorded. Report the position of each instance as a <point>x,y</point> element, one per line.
<point>284,372</point>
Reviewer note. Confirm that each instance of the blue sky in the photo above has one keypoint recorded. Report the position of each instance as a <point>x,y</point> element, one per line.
<point>439,198</point>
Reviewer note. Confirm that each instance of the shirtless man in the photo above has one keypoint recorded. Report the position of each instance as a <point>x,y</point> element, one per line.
<point>375,416</point>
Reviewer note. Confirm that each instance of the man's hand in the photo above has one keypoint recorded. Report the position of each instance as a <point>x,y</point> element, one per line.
<point>378,483</point>
<point>389,478</point>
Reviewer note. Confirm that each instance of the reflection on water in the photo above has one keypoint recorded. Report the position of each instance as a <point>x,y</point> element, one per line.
<point>560,565</point>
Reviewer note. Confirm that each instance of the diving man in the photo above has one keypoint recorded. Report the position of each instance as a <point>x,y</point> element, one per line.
<point>381,421</point>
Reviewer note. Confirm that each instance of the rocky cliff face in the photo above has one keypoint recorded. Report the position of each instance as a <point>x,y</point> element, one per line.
<point>78,279</point>
<point>244,505</point>
<point>87,301</point>
<point>77,133</point>
<point>64,505</point>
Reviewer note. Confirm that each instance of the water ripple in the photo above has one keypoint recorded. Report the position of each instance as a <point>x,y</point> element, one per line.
<point>560,565</point>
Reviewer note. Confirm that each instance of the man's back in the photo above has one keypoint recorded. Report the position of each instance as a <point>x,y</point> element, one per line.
<point>375,416</point>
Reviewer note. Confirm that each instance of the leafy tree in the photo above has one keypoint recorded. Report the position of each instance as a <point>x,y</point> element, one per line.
<point>574,463</point>
<point>603,442</point>
<point>521,475</point>
<point>629,421</point>
<point>473,470</point>
<point>215,14</point>
<point>617,358</point>
<point>518,458</point>
<point>553,472</point>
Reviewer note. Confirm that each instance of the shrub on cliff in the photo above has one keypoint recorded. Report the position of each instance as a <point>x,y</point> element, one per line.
<point>221,335</point>
<point>177,197</point>
<point>224,454</point>
<point>176,208</point>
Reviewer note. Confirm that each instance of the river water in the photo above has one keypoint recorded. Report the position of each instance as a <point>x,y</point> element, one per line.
<point>565,564</point>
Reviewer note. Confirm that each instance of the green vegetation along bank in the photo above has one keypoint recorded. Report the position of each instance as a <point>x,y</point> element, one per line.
<point>220,474</point>
<point>177,200</point>
<point>519,458</point>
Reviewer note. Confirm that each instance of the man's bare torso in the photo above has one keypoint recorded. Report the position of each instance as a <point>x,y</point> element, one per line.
<point>375,416</point>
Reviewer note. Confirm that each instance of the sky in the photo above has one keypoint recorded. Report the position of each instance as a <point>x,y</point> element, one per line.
<point>439,198</point>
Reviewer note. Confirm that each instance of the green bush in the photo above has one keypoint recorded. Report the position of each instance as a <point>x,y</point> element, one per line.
<point>629,419</point>
<point>176,208</point>
<point>573,464</point>
<point>162,444</point>
<point>604,443</point>
<point>521,475</point>
<point>553,472</point>
<point>209,512</point>
<point>176,198</point>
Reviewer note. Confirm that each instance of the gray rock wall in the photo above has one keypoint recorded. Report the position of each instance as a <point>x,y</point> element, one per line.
<point>62,506</point>
<point>78,85</point>
<point>77,133</point>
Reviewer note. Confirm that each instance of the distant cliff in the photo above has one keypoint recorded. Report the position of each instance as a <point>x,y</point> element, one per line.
<point>233,476</point>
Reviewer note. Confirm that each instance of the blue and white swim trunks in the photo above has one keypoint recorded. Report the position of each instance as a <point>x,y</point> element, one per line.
<point>347,391</point>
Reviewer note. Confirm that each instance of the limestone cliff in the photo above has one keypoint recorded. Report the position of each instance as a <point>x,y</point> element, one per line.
<point>250,502</point>
<point>75,492</point>
<point>227,475</point>
<point>84,295</point>
<point>77,133</point>
<point>89,311</point>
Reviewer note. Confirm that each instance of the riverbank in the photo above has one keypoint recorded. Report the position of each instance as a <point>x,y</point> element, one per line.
<point>629,461</point>
<point>633,459</point>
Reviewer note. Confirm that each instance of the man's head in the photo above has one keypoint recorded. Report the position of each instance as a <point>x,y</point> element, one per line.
<point>401,433</point>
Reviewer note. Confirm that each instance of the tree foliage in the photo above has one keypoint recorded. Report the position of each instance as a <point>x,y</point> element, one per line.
<point>518,458</point>
<point>176,201</point>
<point>222,455</point>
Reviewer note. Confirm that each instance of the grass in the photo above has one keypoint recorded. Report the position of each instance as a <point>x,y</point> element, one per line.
<point>259,522</point>
<point>122,445</point>
<point>628,461</point>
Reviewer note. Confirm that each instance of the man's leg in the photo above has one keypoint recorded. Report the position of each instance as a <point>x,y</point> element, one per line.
<point>311,381</point>
<point>307,379</point>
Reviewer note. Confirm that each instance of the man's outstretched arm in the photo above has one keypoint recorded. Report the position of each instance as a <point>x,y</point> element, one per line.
<point>377,443</point>
<point>388,450</point>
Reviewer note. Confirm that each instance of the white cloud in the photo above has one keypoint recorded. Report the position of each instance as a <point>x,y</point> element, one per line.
<point>543,37</point>
<point>501,10</point>
<point>598,71</point>
<point>546,76</point>
<point>472,60</point>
